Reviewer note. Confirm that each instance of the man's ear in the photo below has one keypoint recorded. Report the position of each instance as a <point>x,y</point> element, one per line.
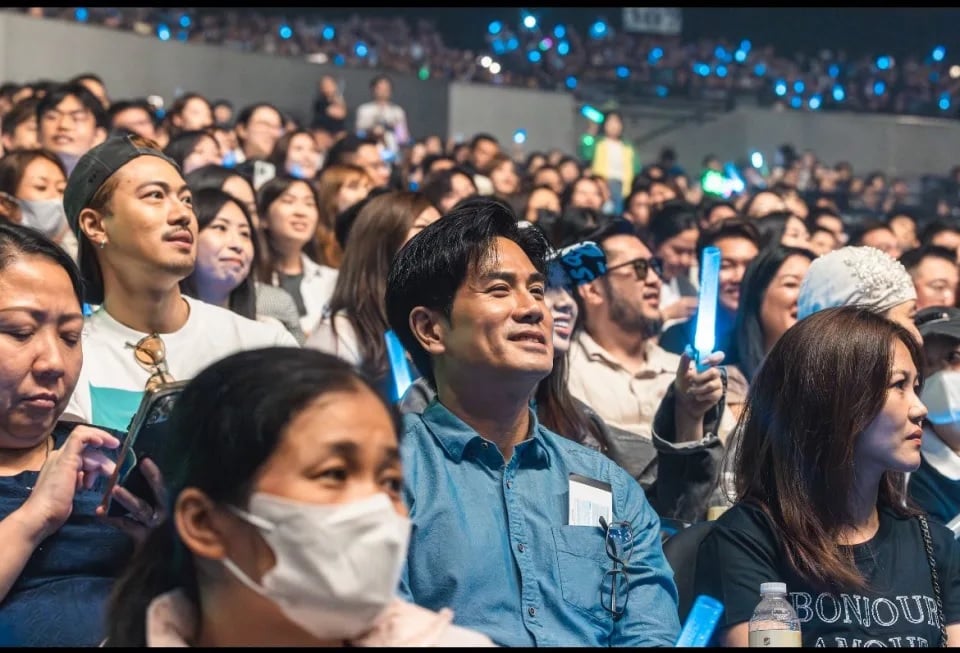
<point>429,327</point>
<point>591,294</point>
<point>91,224</point>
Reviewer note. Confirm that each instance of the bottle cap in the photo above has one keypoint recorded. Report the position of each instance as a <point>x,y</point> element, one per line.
<point>773,588</point>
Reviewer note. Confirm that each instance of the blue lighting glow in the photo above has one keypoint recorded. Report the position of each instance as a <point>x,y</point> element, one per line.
<point>598,30</point>
<point>798,86</point>
<point>361,49</point>
<point>655,55</point>
<point>81,14</point>
<point>339,60</point>
<point>756,160</point>
<point>838,93</point>
<point>938,53</point>
<point>796,102</point>
<point>883,63</point>
<point>780,88</point>
<point>701,69</point>
<point>833,70</point>
<point>944,102</point>
<point>546,44</point>
<point>494,27</point>
<point>163,32</point>
<point>814,102</point>
<point>529,21</point>
<point>498,46</point>
<point>533,56</point>
<point>286,32</point>
<point>623,72</point>
<point>183,35</point>
<point>745,45</point>
<point>571,82</point>
<point>184,21</point>
<point>513,43</point>
<point>721,71</point>
<point>760,69</point>
<point>879,87</point>
<point>662,91</point>
<point>520,136</point>
<point>563,48</point>
<point>329,32</point>
<point>740,56</point>
<point>559,31</point>
<point>934,77</point>
<point>721,53</point>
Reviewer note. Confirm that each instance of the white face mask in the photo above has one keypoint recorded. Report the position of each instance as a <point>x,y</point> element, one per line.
<point>941,396</point>
<point>338,566</point>
<point>46,216</point>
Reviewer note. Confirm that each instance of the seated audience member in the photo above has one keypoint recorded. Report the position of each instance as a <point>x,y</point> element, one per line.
<point>903,223</point>
<point>259,126</point>
<point>873,233</point>
<point>822,241</point>
<point>297,154</point>
<point>831,424</point>
<point>935,486</point>
<point>70,121</point>
<point>290,217</point>
<point>133,214</point>
<point>636,205</point>
<point>189,112</point>
<point>136,116</point>
<point>942,234</point>
<point>467,299</point>
<point>363,152</point>
<point>738,240</point>
<point>541,206</point>
<point>18,130</point>
<point>353,328</point>
<point>830,220</point>
<point>713,209</point>
<point>339,187</point>
<point>34,180</point>
<point>767,309</point>
<point>445,188</point>
<point>935,274</point>
<point>673,232</point>
<point>194,149</point>
<point>287,525</point>
<point>582,193</point>
<point>784,228</point>
<point>762,203</point>
<point>59,558</point>
<point>860,276</point>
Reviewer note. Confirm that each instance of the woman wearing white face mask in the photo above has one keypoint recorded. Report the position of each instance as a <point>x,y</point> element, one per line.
<point>935,486</point>
<point>287,525</point>
<point>34,180</point>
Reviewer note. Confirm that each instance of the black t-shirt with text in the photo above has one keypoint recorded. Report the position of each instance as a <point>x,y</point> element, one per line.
<point>898,609</point>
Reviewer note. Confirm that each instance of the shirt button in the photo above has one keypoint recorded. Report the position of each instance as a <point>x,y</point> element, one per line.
<point>521,548</point>
<point>509,484</point>
<point>532,612</point>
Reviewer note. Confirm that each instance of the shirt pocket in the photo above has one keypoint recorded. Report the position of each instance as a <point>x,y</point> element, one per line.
<point>582,562</point>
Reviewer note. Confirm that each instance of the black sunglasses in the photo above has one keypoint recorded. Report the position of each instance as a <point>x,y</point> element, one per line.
<point>641,266</point>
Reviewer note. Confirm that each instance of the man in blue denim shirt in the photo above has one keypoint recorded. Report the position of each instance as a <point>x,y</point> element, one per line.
<point>487,486</point>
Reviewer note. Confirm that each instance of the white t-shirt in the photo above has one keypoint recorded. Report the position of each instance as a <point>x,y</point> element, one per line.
<point>112,382</point>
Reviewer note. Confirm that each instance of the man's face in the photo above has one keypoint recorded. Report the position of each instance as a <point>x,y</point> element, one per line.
<point>382,91</point>
<point>632,304</point>
<point>24,136</point>
<point>149,224</point>
<point>905,229</point>
<point>936,282</point>
<point>136,120</point>
<point>884,240</point>
<point>483,153</point>
<point>940,353</point>
<point>499,319</point>
<point>735,254</point>
<point>638,210</point>
<point>196,115</point>
<point>261,133</point>
<point>368,157</point>
<point>69,128</point>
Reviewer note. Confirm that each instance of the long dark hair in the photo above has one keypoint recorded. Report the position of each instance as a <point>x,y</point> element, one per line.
<point>207,203</point>
<point>266,196</point>
<point>749,340</point>
<point>558,410</point>
<point>219,442</point>
<point>818,389</point>
<point>379,232</point>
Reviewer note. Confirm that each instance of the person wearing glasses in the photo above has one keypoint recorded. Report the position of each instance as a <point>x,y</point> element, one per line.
<point>259,127</point>
<point>70,121</point>
<point>60,559</point>
<point>488,487</point>
<point>287,523</point>
<point>133,214</point>
<point>739,243</point>
<point>832,422</point>
<point>617,368</point>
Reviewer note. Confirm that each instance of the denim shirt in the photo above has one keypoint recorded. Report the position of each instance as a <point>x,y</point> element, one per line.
<point>490,539</point>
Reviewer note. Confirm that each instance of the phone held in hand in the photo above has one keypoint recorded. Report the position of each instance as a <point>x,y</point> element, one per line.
<point>145,438</point>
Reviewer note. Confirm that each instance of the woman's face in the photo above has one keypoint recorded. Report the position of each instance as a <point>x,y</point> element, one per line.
<point>541,198</point>
<point>303,157</point>
<point>765,203</point>
<point>563,308</point>
<point>586,194</point>
<point>678,253</point>
<point>504,178</point>
<point>426,218</point>
<point>823,242</point>
<point>352,191</point>
<point>795,234</point>
<point>892,440</point>
<point>206,151</point>
<point>241,189</point>
<point>42,180</point>
<point>40,353</point>
<point>224,252</point>
<point>196,114</point>
<point>292,217</point>
<point>778,310</point>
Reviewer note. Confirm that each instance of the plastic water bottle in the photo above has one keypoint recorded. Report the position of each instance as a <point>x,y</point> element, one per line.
<point>774,621</point>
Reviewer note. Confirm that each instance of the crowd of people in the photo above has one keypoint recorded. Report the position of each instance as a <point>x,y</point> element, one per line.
<point>580,59</point>
<point>431,394</point>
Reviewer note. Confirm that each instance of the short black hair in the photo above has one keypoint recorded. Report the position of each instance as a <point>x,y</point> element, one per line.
<point>732,228</point>
<point>59,93</point>
<point>18,114</point>
<point>865,227</point>
<point>913,257</point>
<point>482,136</point>
<point>125,105</point>
<point>430,269</point>
<point>376,79</point>
<point>344,147</point>
<point>936,227</point>
<point>673,217</point>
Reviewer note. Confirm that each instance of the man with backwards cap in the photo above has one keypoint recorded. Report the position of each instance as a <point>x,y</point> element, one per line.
<point>935,486</point>
<point>133,216</point>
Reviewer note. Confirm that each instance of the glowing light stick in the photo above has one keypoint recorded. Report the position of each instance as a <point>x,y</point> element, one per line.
<point>704,338</point>
<point>399,367</point>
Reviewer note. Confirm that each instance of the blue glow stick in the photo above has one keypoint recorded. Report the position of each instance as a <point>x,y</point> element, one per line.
<point>701,622</point>
<point>704,338</point>
<point>399,367</point>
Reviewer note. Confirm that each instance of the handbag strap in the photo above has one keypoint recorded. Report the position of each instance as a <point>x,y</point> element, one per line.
<point>934,576</point>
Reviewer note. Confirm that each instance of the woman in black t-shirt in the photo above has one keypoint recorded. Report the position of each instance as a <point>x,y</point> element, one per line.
<point>832,421</point>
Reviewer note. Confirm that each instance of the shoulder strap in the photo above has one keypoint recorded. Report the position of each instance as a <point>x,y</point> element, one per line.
<point>934,576</point>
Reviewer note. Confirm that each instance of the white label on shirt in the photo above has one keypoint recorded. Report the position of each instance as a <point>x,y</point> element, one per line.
<point>590,499</point>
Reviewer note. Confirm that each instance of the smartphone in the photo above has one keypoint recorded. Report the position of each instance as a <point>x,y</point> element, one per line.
<point>146,437</point>
<point>263,171</point>
<point>701,622</point>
